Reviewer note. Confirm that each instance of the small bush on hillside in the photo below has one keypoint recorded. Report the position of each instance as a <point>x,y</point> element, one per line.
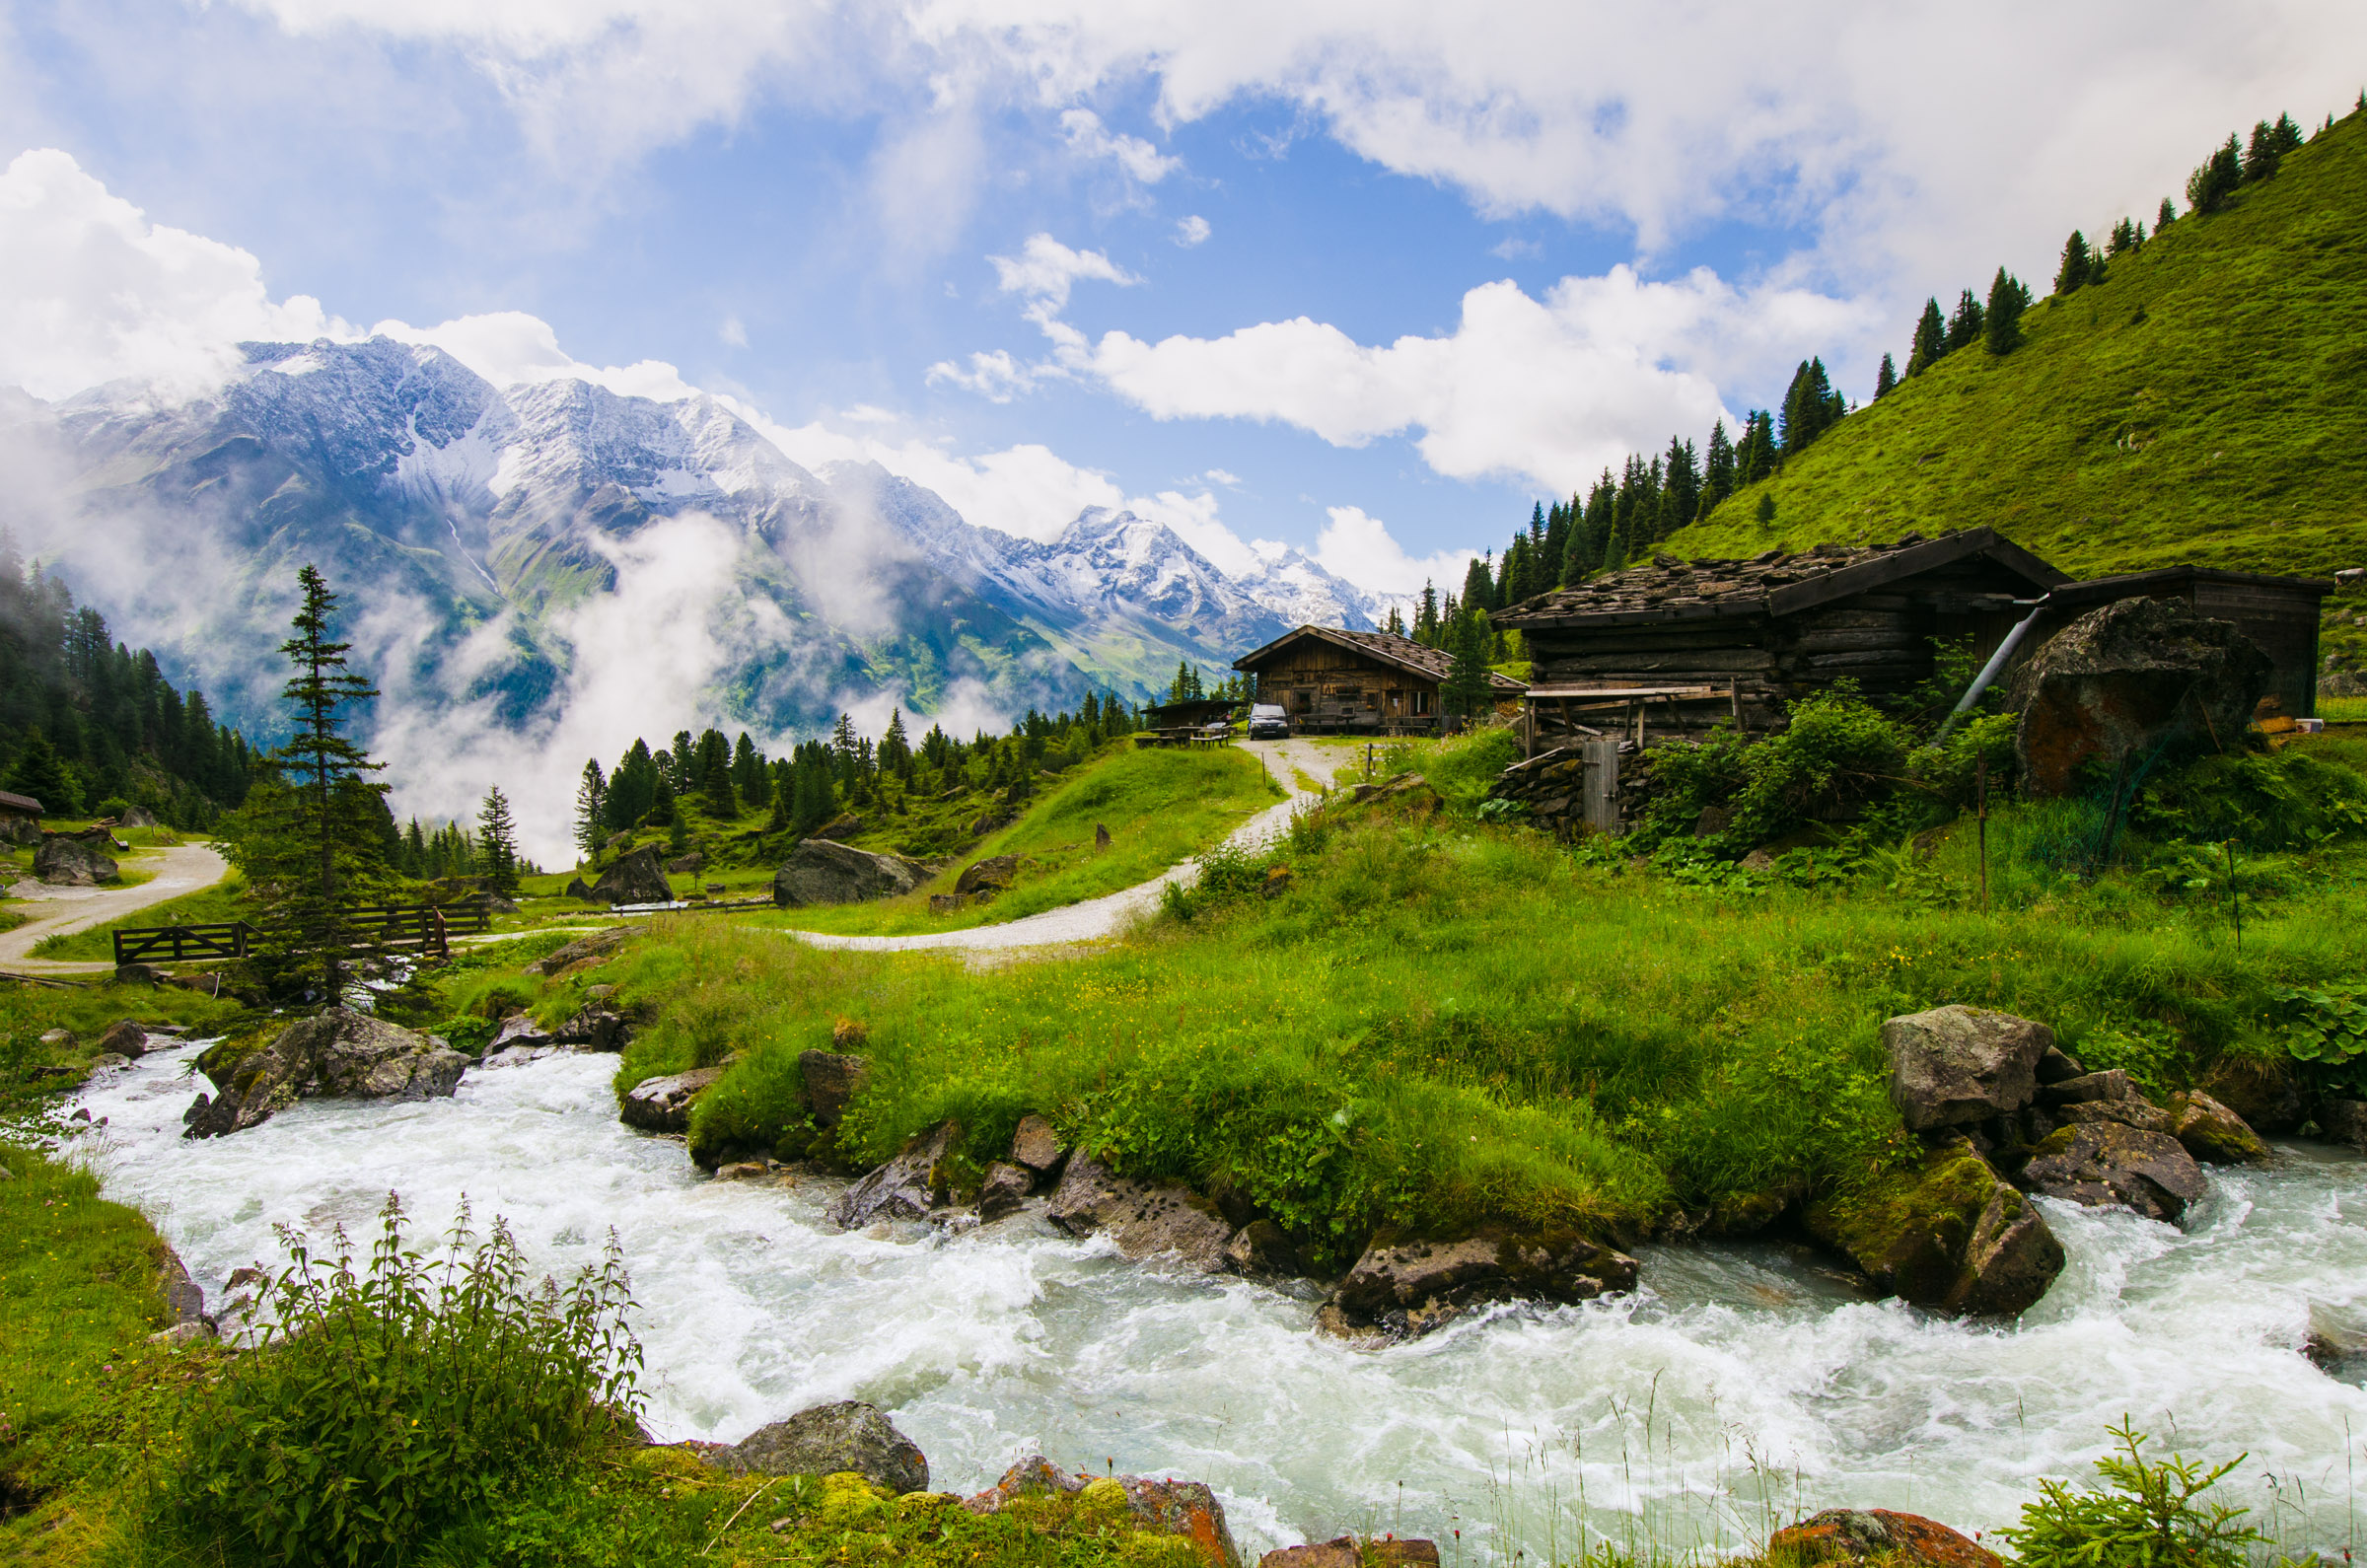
<point>383,1403</point>
<point>2144,1517</point>
<point>2284,800</point>
<point>1837,755</point>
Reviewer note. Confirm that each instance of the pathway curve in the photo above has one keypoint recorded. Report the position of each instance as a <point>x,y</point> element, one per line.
<point>1107,915</point>
<point>61,911</point>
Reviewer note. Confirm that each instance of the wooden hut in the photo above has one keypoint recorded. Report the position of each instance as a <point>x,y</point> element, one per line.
<point>1676,646</point>
<point>2279,613</point>
<point>1181,722</point>
<point>1363,682</point>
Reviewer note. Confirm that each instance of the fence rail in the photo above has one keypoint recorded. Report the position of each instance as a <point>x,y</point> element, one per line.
<point>424,928</point>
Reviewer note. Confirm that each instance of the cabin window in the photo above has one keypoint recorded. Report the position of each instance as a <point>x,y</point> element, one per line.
<point>1302,700</point>
<point>1421,702</point>
<point>1372,701</point>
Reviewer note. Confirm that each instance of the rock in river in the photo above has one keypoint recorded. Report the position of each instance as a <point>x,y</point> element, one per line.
<point>1951,1234</point>
<point>1955,1065</point>
<point>662,1104</point>
<point>907,1187</point>
<point>1854,1535</point>
<point>1402,1289</point>
<point>336,1054</point>
<point>822,872</point>
<point>829,1439</point>
<point>1143,1217</point>
<point>1188,1510</point>
<point>2104,1162</point>
<point>2211,1132</point>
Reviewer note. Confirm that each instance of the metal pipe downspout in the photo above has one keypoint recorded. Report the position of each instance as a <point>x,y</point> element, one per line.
<point>1996,665</point>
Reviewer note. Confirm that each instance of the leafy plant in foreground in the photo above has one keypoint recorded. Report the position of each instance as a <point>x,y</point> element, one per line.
<point>2145,1517</point>
<point>2327,1031</point>
<point>383,1403</point>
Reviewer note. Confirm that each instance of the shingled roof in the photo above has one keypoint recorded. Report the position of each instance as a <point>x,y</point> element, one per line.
<point>1431,664</point>
<point>1777,583</point>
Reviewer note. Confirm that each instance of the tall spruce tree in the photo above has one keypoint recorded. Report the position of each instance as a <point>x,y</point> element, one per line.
<point>1964,324</point>
<point>311,838</point>
<point>2076,268</point>
<point>2165,216</point>
<point>2216,177</point>
<point>1465,691</point>
<point>1717,466</point>
<point>1886,379</point>
<point>497,844</point>
<point>1930,343</point>
<point>592,813</point>
<point>2002,326</point>
<point>40,773</point>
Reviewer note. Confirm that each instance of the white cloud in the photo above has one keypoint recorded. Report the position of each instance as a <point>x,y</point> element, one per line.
<point>1360,548</point>
<point>995,375</point>
<point>1044,269</point>
<point>91,291</point>
<point>508,347</point>
<point>1089,138</point>
<point>1511,249</point>
<point>1550,390</point>
<point>734,332</point>
<point>1220,476</point>
<point>1191,231</point>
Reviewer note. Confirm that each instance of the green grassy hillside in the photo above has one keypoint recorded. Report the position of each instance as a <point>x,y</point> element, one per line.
<point>2206,403</point>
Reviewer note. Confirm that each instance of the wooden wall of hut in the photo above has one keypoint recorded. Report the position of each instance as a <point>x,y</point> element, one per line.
<point>1322,685</point>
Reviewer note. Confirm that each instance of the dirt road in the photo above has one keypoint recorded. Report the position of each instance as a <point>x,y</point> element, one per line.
<point>1113,912</point>
<point>61,911</point>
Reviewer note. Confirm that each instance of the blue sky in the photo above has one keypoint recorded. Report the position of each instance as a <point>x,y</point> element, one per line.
<point>802,206</point>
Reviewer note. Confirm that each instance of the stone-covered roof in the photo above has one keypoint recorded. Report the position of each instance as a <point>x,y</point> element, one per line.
<point>1777,583</point>
<point>1431,664</point>
<point>23,805</point>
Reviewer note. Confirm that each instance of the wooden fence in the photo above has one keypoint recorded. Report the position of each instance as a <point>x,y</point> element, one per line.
<point>420,928</point>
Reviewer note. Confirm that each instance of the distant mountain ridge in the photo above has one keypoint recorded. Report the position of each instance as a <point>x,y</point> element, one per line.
<point>470,524</point>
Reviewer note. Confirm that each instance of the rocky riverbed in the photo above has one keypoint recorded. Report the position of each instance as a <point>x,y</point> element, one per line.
<point>1735,1384</point>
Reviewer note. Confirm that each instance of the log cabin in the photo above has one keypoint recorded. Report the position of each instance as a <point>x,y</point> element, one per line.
<point>1357,682</point>
<point>1676,647</point>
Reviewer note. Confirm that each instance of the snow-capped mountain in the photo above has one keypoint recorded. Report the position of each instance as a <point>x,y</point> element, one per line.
<point>478,531</point>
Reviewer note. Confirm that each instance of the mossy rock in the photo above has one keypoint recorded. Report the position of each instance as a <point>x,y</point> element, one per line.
<point>1950,1235</point>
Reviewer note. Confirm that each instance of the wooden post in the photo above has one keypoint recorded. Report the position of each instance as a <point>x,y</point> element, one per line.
<point>1981,822</point>
<point>443,947</point>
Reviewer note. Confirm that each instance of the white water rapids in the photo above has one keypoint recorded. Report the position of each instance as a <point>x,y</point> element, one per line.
<point>1738,1382</point>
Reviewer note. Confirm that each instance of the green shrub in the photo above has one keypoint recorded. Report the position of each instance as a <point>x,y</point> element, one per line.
<point>2145,1517</point>
<point>2283,800</point>
<point>1835,757</point>
<point>2147,1050</point>
<point>2326,1032</point>
<point>382,1404</point>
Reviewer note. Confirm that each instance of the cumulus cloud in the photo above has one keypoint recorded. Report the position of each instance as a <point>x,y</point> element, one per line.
<point>1360,548</point>
<point>1550,390</point>
<point>1090,139</point>
<point>1044,269</point>
<point>91,291</point>
<point>1191,230</point>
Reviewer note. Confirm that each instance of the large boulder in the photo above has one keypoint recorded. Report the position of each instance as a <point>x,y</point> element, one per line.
<point>339,1054</point>
<point>1399,1289</point>
<point>1003,1189</point>
<point>2211,1132</point>
<point>2345,1121</point>
<point>1955,1065</point>
<point>598,944</point>
<point>828,1440</point>
<point>74,860</point>
<point>125,1038</point>
<point>2264,1093</point>
<point>662,1104</point>
<point>1346,1551</point>
<point>636,877</point>
<point>1035,1143</point>
<point>2101,1164</point>
<point>1948,1235</point>
<point>911,1187</point>
<point>1861,1534</point>
<point>991,875</point>
<point>822,872</point>
<point>2127,681</point>
<point>1144,1218</point>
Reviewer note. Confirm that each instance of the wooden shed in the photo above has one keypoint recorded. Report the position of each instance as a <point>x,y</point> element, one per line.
<point>2279,613</point>
<point>1334,681</point>
<point>1678,646</point>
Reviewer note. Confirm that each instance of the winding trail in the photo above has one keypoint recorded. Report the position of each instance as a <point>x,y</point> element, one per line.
<point>1095,918</point>
<point>61,911</point>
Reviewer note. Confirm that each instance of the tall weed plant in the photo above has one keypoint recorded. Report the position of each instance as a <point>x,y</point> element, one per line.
<point>382,1401</point>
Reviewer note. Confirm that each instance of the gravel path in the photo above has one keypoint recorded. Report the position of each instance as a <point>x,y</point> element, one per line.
<point>61,911</point>
<point>1104,916</point>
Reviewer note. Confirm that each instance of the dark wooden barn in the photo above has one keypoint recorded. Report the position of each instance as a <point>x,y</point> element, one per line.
<point>1332,681</point>
<point>1678,646</point>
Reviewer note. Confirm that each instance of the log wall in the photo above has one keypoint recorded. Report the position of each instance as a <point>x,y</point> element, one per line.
<point>1324,686</point>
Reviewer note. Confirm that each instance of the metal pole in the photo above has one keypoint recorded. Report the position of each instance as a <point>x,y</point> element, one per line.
<point>1989,670</point>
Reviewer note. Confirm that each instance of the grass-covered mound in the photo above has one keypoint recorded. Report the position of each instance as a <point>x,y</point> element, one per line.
<point>1427,1020</point>
<point>1161,805</point>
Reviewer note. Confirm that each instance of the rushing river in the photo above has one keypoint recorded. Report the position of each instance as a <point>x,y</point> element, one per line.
<point>1740,1383</point>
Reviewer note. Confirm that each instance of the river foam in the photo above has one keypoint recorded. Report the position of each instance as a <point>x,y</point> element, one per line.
<point>1739,1384</point>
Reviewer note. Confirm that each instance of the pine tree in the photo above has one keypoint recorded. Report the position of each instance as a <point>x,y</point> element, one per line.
<point>1964,327</point>
<point>2002,327</point>
<point>896,750</point>
<point>1930,343</point>
<point>1809,407</point>
<point>38,772</point>
<point>712,764</point>
<point>309,840</point>
<point>1465,691</point>
<point>1717,468</point>
<point>2076,266</point>
<point>1681,488</point>
<point>2165,217</point>
<point>1886,380</point>
<point>2215,179</point>
<point>591,813</point>
<point>1425,619</point>
<point>497,844</point>
<point>749,776</point>
<point>1395,626</point>
<point>1478,583</point>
